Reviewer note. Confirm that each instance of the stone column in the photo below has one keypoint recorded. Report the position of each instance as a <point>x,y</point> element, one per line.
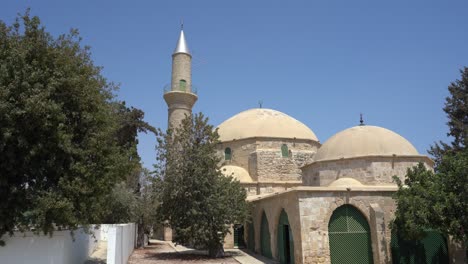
<point>378,231</point>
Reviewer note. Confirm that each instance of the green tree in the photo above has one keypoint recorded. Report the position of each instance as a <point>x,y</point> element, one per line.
<point>147,205</point>
<point>60,131</point>
<point>199,202</point>
<point>133,199</point>
<point>125,205</point>
<point>440,200</point>
<point>456,108</point>
<point>121,205</point>
<point>130,123</point>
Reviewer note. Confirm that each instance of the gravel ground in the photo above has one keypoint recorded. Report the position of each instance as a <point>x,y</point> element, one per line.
<point>160,252</point>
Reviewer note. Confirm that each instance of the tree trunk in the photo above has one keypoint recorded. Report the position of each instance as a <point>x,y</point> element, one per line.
<point>141,236</point>
<point>216,251</point>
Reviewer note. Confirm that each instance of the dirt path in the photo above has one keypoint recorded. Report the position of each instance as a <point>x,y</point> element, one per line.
<point>160,252</point>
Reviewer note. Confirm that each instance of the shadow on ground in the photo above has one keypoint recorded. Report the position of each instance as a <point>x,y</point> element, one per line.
<point>255,256</point>
<point>181,256</point>
<point>155,251</point>
<point>161,252</point>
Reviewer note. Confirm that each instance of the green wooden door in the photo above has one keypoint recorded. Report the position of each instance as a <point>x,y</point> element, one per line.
<point>432,248</point>
<point>239,236</point>
<point>285,240</point>
<point>265,246</point>
<point>349,237</point>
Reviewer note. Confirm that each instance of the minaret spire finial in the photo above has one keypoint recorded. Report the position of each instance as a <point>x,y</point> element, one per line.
<point>182,46</point>
<point>361,121</point>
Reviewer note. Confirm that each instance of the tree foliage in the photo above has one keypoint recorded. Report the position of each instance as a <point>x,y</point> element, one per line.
<point>456,108</point>
<point>131,200</point>
<point>147,205</point>
<point>440,200</point>
<point>199,202</point>
<point>130,123</point>
<point>64,139</point>
<point>121,205</point>
<point>125,205</point>
<point>437,201</point>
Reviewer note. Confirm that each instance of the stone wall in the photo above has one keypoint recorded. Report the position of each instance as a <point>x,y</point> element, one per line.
<point>256,188</point>
<point>271,165</point>
<point>275,187</point>
<point>367,170</point>
<point>316,209</point>
<point>309,212</point>
<point>293,144</point>
<point>240,152</point>
<point>263,159</point>
<point>272,208</point>
<point>229,239</point>
<point>250,188</point>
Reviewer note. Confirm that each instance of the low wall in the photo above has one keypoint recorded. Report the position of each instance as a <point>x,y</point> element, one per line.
<point>121,241</point>
<point>104,231</point>
<point>60,248</point>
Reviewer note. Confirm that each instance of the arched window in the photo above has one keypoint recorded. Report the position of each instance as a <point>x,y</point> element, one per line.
<point>227,154</point>
<point>284,151</point>
<point>182,85</point>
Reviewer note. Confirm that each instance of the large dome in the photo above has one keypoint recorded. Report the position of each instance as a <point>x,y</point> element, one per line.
<point>362,141</point>
<point>260,122</point>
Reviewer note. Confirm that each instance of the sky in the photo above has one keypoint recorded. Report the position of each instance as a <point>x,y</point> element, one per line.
<point>321,62</point>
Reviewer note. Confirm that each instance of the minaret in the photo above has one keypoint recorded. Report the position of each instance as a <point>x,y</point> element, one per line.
<point>180,98</point>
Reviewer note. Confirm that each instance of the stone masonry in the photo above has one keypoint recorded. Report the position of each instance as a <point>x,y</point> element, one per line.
<point>309,210</point>
<point>367,170</point>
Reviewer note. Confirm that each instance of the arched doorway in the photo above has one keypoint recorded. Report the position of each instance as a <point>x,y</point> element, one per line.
<point>349,237</point>
<point>239,236</point>
<point>251,237</point>
<point>285,240</point>
<point>432,248</point>
<point>265,247</point>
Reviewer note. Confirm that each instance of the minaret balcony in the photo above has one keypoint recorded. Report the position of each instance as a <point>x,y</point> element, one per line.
<point>180,89</point>
<point>180,98</point>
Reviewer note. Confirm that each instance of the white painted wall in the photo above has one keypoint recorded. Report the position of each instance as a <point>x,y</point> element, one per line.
<point>62,249</point>
<point>104,230</point>
<point>58,249</point>
<point>121,240</point>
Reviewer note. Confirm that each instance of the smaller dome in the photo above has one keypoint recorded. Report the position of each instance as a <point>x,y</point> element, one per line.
<point>345,182</point>
<point>361,141</point>
<point>237,172</point>
<point>262,122</point>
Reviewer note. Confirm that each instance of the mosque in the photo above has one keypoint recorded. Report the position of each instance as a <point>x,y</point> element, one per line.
<point>312,202</point>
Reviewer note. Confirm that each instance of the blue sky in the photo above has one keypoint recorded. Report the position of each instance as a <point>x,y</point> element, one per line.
<point>322,62</point>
